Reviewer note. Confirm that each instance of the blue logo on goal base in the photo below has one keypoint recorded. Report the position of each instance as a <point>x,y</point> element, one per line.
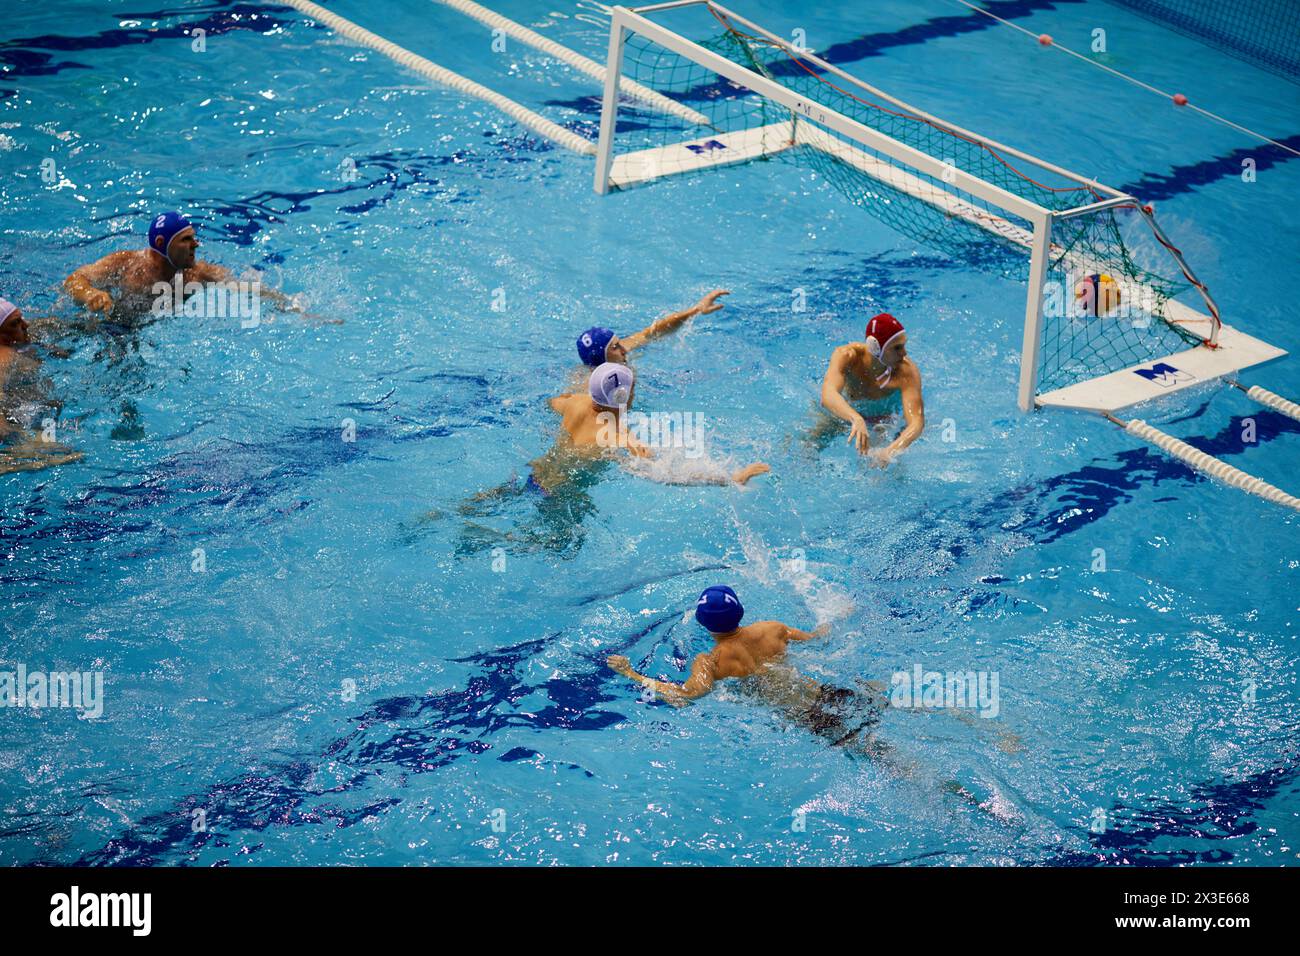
<point>1164,375</point>
<point>702,148</point>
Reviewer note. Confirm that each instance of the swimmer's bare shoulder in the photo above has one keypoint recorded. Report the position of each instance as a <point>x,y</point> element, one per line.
<point>775,633</point>
<point>848,358</point>
<point>850,366</point>
<point>907,373</point>
<point>757,644</point>
<point>127,270</point>
<point>567,406</point>
<point>575,412</point>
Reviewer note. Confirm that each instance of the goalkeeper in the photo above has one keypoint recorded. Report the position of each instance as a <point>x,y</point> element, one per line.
<point>873,375</point>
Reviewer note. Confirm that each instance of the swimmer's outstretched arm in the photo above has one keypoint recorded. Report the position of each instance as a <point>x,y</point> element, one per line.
<point>697,685</point>
<point>665,325</point>
<point>740,476</point>
<point>1008,741</point>
<point>30,453</point>
<point>211,272</point>
<point>833,399</point>
<point>794,634</point>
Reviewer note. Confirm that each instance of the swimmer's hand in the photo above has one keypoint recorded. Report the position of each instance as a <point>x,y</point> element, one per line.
<point>742,475</point>
<point>620,664</point>
<point>882,458</point>
<point>97,300</point>
<point>636,448</point>
<point>859,436</point>
<point>298,305</point>
<point>710,302</point>
<point>821,630</point>
<point>55,351</point>
<point>1010,743</point>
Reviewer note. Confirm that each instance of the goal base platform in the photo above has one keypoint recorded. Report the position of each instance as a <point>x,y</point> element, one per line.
<point>708,152</point>
<point>1158,378</point>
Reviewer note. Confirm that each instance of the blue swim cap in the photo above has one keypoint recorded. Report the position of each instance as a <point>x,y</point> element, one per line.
<point>718,609</point>
<point>592,344</point>
<point>164,229</point>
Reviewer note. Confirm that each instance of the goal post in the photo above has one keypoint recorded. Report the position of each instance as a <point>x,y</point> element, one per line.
<point>1040,249</point>
<point>1102,328</point>
<point>609,102</point>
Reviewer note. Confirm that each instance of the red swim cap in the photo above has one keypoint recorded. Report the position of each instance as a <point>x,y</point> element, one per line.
<point>882,330</point>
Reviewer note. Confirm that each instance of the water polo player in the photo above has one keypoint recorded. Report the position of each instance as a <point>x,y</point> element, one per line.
<point>122,283</point>
<point>598,345</point>
<point>870,374</point>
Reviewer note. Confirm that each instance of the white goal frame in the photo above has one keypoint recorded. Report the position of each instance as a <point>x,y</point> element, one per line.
<point>1227,351</point>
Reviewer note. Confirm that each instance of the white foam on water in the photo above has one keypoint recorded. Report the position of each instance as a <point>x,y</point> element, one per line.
<point>825,600</point>
<point>681,466</point>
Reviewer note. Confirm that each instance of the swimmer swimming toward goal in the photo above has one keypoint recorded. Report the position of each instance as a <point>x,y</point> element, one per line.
<point>594,424</point>
<point>752,654</point>
<point>598,344</point>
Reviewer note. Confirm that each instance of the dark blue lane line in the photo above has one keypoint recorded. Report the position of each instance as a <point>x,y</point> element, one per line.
<point>1070,502</point>
<point>435,731</point>
<point>24,57</point>
<point>936,28</point>
<point>1138,834</point>
<point>1155,187</point>
<point>1228,37</point>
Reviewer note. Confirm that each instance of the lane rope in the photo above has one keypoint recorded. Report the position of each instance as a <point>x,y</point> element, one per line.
<point>1271,400</point>
<point>1178,98</point>
<point>440,74</point>
<point>576,60</point>
<point>1207,464</point>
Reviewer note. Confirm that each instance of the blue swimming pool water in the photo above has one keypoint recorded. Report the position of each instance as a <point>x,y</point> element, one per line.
<point>481,696</point>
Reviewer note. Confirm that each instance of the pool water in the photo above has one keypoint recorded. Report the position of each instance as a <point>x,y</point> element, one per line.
<point>361,673</point>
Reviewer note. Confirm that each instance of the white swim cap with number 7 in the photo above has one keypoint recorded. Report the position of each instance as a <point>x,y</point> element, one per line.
<point>611,385</point>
